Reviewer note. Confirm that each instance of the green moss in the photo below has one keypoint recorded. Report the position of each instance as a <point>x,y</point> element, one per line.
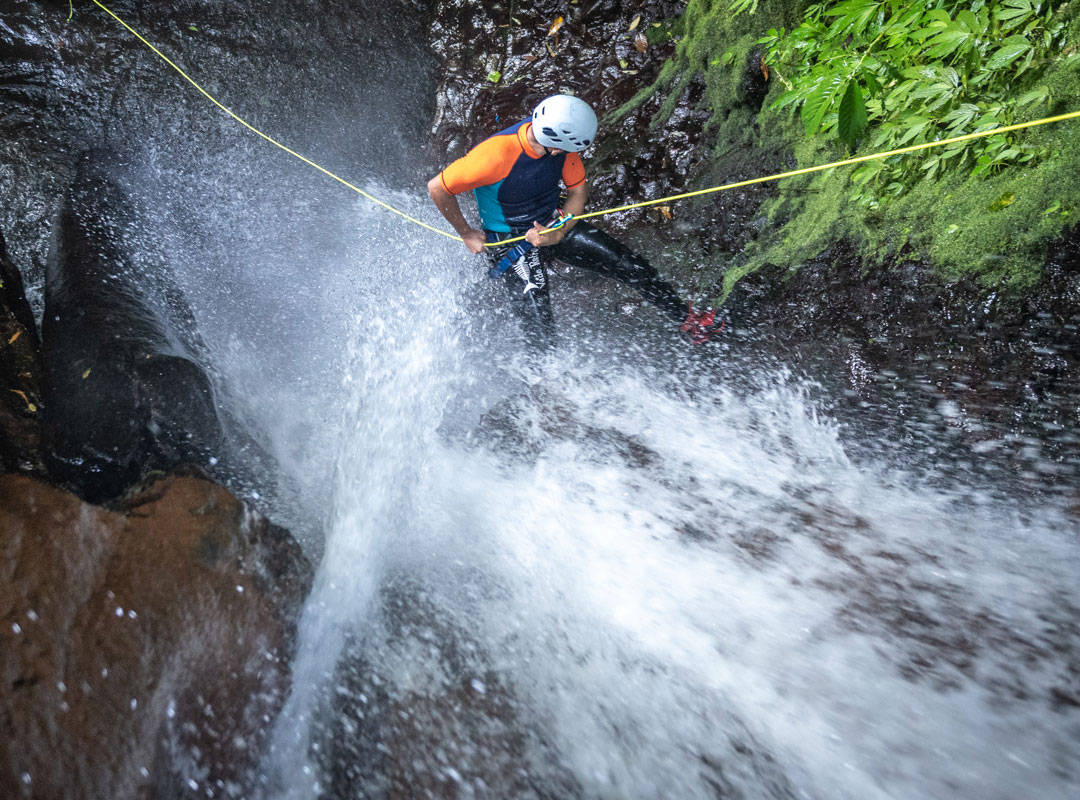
<point>993,228</point>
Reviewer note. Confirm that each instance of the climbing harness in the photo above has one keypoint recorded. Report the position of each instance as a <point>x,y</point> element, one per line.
<point>518,251</point>
<point>671,198</point>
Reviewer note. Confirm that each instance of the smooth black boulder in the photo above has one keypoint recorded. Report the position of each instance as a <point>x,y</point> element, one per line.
<point>124,391</point>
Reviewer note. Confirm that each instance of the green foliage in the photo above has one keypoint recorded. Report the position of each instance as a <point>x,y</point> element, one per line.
<point>739,6</point>
<point>890,73</point>
<point>894,210</point>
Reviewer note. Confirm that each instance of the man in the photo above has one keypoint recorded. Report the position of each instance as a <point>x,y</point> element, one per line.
<point>516,176</point>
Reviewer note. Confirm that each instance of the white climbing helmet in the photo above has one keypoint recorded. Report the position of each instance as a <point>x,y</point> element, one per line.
<point>564,122</point>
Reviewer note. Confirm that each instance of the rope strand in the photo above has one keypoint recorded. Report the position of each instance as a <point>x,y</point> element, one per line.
<point>671,198</point>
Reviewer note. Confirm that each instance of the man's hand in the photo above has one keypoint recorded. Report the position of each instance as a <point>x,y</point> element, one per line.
<point>537,239</point>
<point>474,240</point>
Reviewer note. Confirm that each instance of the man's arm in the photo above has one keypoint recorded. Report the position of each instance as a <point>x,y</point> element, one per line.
<point>575,204</point>
<point>449,208</point>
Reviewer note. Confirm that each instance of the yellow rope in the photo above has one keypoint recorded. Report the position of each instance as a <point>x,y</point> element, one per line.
<point>791,174</point>
<point>272,141</point>
<point>857,160</point>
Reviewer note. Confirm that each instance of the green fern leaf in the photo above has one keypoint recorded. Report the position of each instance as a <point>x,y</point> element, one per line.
<point>851,118</point>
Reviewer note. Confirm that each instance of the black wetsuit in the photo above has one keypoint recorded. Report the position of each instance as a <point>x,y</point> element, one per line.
<point>588,247</point>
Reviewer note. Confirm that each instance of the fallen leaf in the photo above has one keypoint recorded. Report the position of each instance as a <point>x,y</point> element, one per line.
<point>550,50</point>
<point>634,24</point>
<point>30,406</point>
<point>665,211</point>
<point>641,42</point>
<point>558,23</point>
<point>764,68</point>
<point>529,57</point>
<point>86,374</point>
<point>16,336</point>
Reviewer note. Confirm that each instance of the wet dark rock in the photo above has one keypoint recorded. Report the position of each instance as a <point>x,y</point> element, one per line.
<point>123,393</point>
<point>962,370</point>
<point>143,649</point>
<point>754,81</point>
<point>452,730</point>
<point>20,375</point>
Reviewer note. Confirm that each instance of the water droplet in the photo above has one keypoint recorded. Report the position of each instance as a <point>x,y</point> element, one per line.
<point>478,686</point>
<point>15,628</point>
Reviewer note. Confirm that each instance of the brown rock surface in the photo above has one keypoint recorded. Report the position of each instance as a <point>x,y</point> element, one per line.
<point>143,650</point>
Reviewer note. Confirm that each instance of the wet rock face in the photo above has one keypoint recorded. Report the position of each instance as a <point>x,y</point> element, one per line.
<point>123,392</point>
<point>143,650</point>
<point>20,375</point>
<point>943,366</point>
<point>300,71</point>
<point>446,725</point>
<point>499,60</point>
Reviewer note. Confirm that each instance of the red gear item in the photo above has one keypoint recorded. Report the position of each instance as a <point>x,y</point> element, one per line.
<point>700,325</point>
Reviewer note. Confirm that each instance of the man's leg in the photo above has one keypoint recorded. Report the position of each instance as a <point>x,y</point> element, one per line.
<point>526,283</point>
<point>588,247</point>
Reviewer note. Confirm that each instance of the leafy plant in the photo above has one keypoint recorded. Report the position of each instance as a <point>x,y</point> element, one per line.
<point>890,73</point>
<point>739,6</point>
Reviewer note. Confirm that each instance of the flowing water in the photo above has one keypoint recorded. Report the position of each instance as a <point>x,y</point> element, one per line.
<point>626,569</point>
<point>623,569</point>
<point>621,572</point>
